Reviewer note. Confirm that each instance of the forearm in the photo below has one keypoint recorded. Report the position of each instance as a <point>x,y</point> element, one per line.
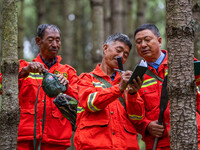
<point>24,72</point>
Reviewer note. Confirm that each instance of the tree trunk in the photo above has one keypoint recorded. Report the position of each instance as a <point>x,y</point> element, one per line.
<point>52,9</point>
<point>196,15</point>
<point>9,116</point>
<point>40,10</point>
<point>141,11</point>
<point>67,33</point>
<point>125,16</point>
<point>97,30</point>
<point>133,58</point>
<point>107,19</point>
<point>21,31</point>
<point>181,87</point>
<point>116,16</point>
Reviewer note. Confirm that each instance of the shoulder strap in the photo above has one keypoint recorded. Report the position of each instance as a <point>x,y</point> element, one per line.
<point>153,75</point>
<point>107,84</point>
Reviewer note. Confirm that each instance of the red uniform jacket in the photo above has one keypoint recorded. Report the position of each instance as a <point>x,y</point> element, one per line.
<point>58,129</point>
<point>150,93</point>
<point>102,122</point>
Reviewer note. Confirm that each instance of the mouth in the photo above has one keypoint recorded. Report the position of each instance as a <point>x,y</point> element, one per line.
<point>145,52</point>
<point>53,50</point>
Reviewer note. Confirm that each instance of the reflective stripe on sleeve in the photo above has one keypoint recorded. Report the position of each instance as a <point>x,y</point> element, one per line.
<point>34,76</point>
<point>91,98</point>
<point>135,117</point>
<point>98,84</point>
<point>80,109</point>
<point>149,82</point>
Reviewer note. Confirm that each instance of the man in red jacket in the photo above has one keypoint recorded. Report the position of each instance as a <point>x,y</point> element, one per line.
<point>57,130</point>
<point>148,43</point>
<point>102,121</point>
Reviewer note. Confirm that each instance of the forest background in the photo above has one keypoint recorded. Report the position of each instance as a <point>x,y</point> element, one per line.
<point>85,25</point>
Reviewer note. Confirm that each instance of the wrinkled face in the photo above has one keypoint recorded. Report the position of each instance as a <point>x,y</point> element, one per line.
<point>148,45</point>
<point>113,50</point>
<point>50,44</point>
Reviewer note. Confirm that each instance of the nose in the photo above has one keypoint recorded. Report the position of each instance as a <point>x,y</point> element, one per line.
<point>121,54</point>
<point>54,43</point>
<point>144,44</point>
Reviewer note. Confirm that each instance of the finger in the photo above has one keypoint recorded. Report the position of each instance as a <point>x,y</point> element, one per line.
<point>139,81</point>
<point>60,77</point>
<point>66,82</point>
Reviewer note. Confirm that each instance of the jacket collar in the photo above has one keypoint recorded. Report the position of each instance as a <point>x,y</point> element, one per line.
<point>164,62</point>
<point>97,71</point>
<point>38,59</point>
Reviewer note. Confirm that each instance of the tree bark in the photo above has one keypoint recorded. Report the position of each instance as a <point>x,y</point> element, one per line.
<point>52,9</point>
<point>107,18</point>
<point>196,16</point>
<point>40,10</point>
<point>133,58</point>
<point>67,33</point>
<point>181,87</point>
<point>21,31</point>
<point>9,116</point>
<point>141,11</point>
<point>117,16</point>
<point>97,30</point>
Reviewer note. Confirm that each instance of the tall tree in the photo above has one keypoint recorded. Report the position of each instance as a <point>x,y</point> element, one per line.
<point>52,12</point>
<point>141,11</point>
<point>9,116</point>
<point>196,14</point>
<point>133,56</point>
<point>107,18</point>
<point>97,30</point>
<point>40,10</point>
<point>116,16</point>
<point>67,33</point>
<point>182,91</point>
<point>21,30</point>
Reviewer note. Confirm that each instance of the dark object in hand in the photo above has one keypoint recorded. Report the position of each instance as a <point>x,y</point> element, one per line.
<point>68,107</point>
<point>51,85</point>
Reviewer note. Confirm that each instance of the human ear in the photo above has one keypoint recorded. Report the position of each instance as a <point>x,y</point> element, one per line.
<point>38,40</point>
<point>105,47</point>
<point>160,41</point>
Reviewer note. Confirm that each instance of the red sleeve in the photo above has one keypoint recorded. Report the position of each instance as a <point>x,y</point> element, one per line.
<point>93,97</point>
<point>198,99</point>
<point>135,107</point>
<point>0,83</point>
<point>73,79</point>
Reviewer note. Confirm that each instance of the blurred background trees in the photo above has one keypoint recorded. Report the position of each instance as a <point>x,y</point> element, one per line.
<point>85,25</point>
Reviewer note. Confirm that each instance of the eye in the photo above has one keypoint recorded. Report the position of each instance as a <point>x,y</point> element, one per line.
<point>138,41</point>
<point>118,50</point>
<point>126,55</point>
<point>147,39</point>
<point>57,40</point>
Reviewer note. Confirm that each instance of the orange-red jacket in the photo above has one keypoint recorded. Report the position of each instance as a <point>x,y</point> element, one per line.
<point>58,129</point>
<point>150,93</point>
<point>102,122</point>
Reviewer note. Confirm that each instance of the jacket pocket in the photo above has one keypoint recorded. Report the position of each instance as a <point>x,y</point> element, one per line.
<point>26,125</point>
<point>97,132</point>
<point>150,97</point>
<point>130,129</point>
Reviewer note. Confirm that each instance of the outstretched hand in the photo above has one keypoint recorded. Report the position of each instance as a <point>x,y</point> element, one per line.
<point>125,76</point>
<point>135,86</point>
<point>35,67</point>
